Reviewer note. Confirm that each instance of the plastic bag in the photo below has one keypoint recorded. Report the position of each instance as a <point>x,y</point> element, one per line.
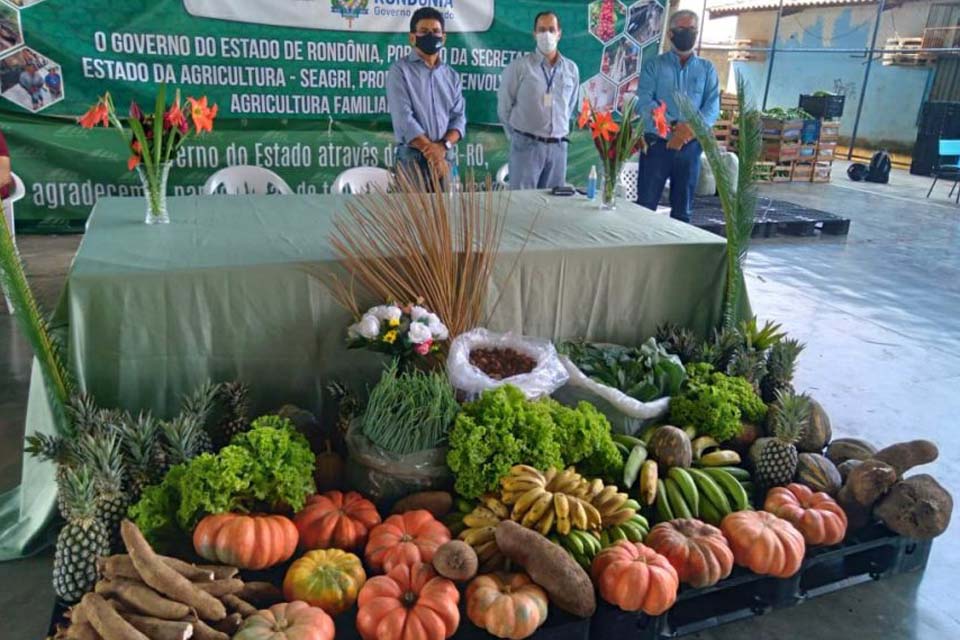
<point>548,376</point>
<point>625,413</point>
<point>385,477</point>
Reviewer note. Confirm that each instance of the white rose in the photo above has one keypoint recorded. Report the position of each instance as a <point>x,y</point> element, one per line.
<point>394,314</point>
<point>418,312</point>
<point>379,312</point>
<point>419,333</point>
<point>439,331</point>
<point>369,326</point>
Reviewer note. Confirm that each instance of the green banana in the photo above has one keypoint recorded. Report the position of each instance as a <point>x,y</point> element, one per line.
<point>622,448</point>
<point>679,508</point>
<point>464,506</point>
<point>640,520</point>
<point>687,487</point>
<point>647,433</point>
<point>591,544</point>
<point>617,534</point>
<point>711,492</point>
<point>638,455</point>
<point>709,513</point>
<point>634,532</point>
<point>663,507</point>
<point>605,538</point>
<point>631,504</point>
<point>573,543</point>
<point>737,472</point>
<point>628,441</point>
<point>691,432</point>
<point>733,489</point>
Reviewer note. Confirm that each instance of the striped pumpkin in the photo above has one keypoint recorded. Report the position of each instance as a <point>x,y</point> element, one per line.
<point>325,578</point>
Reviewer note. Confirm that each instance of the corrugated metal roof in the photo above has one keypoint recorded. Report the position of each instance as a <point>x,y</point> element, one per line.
<point>726,7</point>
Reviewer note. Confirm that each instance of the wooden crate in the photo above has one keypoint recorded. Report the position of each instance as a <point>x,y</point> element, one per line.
<point>775,129</point>
<point>728,102</point>
<point>782,172</point>
<point>821,171</point>
<point>826,151</point>
<point>802,171</point>
<point>778,151</point>
<point>829,130</point>
<point>807,153</point>
<point>724,132</point>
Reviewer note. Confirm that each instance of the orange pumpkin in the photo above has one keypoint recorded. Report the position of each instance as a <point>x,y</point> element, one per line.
<point>245,541</point>
<point>697,550</point>
<point>405,538</point>
<point>634,577</point>
<point>287,621</point>
<point>818,516</point>
<point>325,578</point>
<point>409,603</point>
<point>764,543</point>
<point>336,520</point>
<point>507,605</point>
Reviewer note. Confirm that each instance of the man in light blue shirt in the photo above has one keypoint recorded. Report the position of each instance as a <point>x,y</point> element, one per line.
<point>677,157</point>
<point>425,99</point>
<point>537,98</point>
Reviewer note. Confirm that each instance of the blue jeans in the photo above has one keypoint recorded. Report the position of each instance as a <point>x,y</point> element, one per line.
<point>681,166</point>
<point>411,161</point>
<point>535,164</point>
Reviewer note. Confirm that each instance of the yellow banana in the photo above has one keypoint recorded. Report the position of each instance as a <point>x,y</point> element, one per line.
<point>561,506</point>
<point>549,476</point>
<point>545,524</point>
<point>481,517</point>
<point>648,482</point>
<point>478,536</point>
<point>720,458</point>
<point>594,519</point>
<point>511,483</point>
<point>596,486</point>
<point>524,503</point>
<point>493,503</point>
<point>578,514</point>
<point>701,444</point>
<point>607,493</point>
<point>618,517</point>
<point>611,503</point>
<point>526,470</point>
<point>537,509</point>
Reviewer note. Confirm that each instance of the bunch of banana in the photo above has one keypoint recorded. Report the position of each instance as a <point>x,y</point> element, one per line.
<point>709,493</point>
<point>635,530</point>
<point>581,545</point>
<point>707,453</point>
<point>481,524</point>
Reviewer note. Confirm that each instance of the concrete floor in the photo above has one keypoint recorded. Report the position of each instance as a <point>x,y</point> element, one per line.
<point>879,312</point>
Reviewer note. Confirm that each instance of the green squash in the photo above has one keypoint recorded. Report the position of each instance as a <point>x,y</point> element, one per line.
<point>818,473</point>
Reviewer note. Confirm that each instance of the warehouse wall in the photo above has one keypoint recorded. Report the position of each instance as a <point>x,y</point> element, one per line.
<point>894,93</point>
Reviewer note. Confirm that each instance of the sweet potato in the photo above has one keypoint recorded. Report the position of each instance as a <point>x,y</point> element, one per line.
<point>108,622</point>
<point>239,605</point>
<point>567,584</point>
<point>220,588</point>
<point>918,507</point>
<point>261,594</point>
<point>203,631</point>
<point>142,599</point>
<point>81,631</point>
<point>121,566</point>
<point>230,625</point>
<point>456,560</point>
<point>166,580</point>
<point>219,571</point>
<point>438,503</point>
<point>157,629</point>
<point>907,455</point>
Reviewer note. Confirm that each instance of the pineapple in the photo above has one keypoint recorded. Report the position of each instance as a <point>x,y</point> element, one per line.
<point>200,406</point>
<point>748,363</point>
<point>81,541</point>
<point>682,342</point>
<point>762,338</point>
<point>104,456</point>
<point>140,447</point>
<point>84,413</point>
<point>720,349</point>
<point>235,398</point>
<point>775,459</point>
<point>781,364</point>
<point>182,441</point>
<point>53,449</point>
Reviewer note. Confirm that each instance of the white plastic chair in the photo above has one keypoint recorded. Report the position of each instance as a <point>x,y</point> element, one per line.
<point>244,180</point>
<point>628,180</point>
<point>503,176</point>
<point>363,180</point>
<point>18,191</point>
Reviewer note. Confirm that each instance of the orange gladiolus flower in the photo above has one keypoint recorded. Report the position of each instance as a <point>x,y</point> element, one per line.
<point>201,114</point>
<point>660,120</point>
<point>585,113</point>
<point>603,127</point>
<point>133,162</point>
<point>98,114</point>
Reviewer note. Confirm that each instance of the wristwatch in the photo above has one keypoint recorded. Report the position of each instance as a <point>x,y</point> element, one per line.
<point>447,144</point>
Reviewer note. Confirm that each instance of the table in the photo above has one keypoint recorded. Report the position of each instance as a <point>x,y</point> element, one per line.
<point>233,288</point>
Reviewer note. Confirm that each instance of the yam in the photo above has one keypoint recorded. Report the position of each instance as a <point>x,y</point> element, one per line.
<point>456,560</point>
<point>261,594</point>
<point>567,584</point>
<point>438,503</point>
<point>869,480</point>
<point>165,580</point>
<point>220,588</point>
<point>158,629</point>
<point>918,507</point>
<point>203,631</point>
<point>142,599</point>
<point>230,625</point>
<point>239,605</point>
<point>904,456</point>
<point>846,467</point>
<point>106,621</point>
<point>219,571</point>
<point>121,566</point>
<point>82,631</point>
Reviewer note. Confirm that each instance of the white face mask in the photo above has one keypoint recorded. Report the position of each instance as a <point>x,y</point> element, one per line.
<point>547,42</point>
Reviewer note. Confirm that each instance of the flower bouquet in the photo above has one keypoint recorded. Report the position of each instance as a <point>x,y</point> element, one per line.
<point>616,143</point>
<point>156,139</point>
<point>403,332</point>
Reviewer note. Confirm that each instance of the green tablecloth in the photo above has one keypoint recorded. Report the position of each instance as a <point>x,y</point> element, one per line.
<point>232,289</point>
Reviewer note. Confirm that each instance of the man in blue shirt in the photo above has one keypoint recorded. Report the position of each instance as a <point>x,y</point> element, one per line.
<point>677,157</point>
<point>426,104</point>
<point>536,100</point>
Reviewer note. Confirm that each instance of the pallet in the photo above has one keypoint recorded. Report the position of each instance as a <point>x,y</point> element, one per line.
<point>741,54</point>
<point>909,54</point>
<point>774,217</point>
<point>873,554</point>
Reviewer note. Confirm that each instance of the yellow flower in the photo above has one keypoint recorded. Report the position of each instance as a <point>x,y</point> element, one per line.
<point>390,337</point>
<point>394,322</point>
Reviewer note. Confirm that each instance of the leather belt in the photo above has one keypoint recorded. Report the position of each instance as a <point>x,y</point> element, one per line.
<point>545,140</point>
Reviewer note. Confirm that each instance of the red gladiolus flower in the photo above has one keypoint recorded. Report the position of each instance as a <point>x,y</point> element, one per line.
<point>660,120</point>
<point>585,113</point>
<point>201,114</point>
<point>98,114</point>
<point>135,112</point>
<point>133,162</point>
<point>174,117</point>
<point>604,127</point>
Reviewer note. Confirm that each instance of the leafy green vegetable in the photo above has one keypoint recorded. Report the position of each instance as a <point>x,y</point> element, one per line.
<point>502,428</point>
<point>794,113</point>
<point>646,374</point>
<point>715,403</point>
<point>267,468</point>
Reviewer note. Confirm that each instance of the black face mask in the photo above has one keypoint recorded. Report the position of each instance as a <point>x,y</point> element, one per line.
<point>429,43</point>
<point>683,39</point>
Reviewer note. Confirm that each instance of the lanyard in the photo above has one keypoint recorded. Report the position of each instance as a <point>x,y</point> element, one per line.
<point>549,80</point>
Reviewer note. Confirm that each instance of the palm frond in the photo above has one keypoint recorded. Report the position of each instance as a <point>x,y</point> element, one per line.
<point>35,328</point>
<point>737,197</point>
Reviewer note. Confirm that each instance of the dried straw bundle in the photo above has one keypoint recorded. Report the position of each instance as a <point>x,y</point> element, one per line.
<point>422,244</point>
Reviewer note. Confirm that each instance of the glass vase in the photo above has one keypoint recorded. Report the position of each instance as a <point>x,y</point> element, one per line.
<point>155,192</point>
<point>609,189</point>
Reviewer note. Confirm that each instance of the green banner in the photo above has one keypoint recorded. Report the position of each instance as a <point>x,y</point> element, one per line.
<point>299,84</point>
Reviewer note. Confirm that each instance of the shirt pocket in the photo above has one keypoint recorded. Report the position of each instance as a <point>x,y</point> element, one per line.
<point>568,89</point>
